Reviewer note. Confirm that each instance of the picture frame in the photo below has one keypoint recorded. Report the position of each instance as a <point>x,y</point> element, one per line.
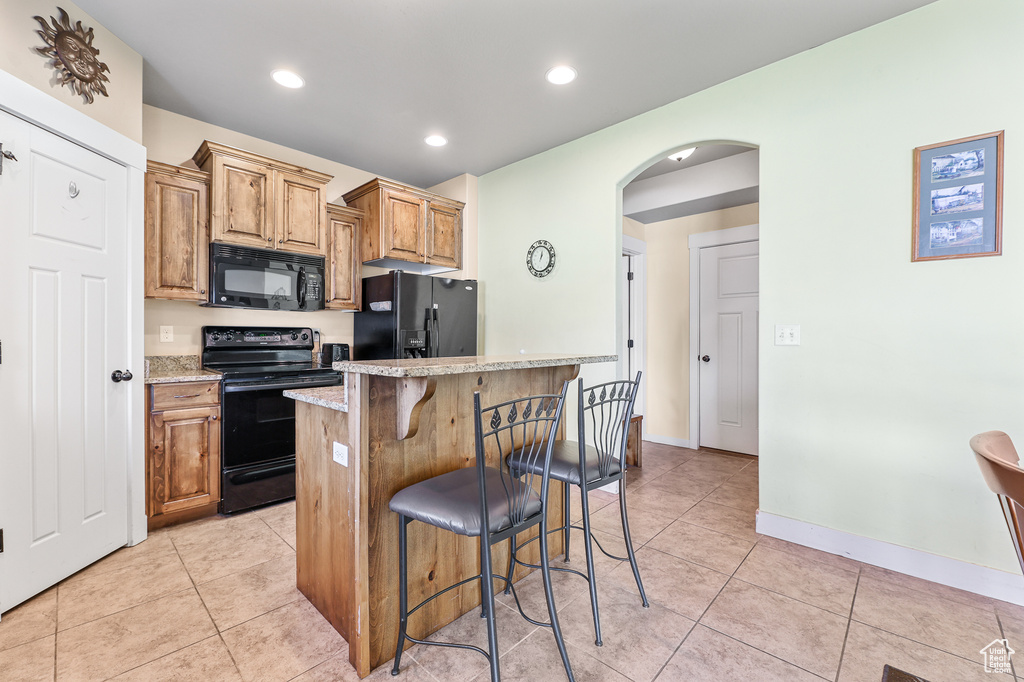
<point>958,198</point>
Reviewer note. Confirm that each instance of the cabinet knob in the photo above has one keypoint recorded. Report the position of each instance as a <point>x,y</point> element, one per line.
<point>213,418</point>
<point>280,241</point>
<point>270,239</point>
<point>202,291</point>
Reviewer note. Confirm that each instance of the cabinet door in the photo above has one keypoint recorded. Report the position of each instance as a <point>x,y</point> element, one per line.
<point>184,459</point>
<point>301,214</point>
<point>404,217</point>
<point>344,287</point>
<point>177,237</point>
<point>444,235</point>
<point>243,205</point>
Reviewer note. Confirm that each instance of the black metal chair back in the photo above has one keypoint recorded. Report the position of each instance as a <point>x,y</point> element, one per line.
<point>527,426</point>
<point>604,414</point>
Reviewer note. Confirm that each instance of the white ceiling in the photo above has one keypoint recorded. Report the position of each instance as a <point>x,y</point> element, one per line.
<point>381,75</point>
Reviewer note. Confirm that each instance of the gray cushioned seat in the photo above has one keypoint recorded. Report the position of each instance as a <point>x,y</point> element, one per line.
<point>565,463</point>
<point>452,501</point>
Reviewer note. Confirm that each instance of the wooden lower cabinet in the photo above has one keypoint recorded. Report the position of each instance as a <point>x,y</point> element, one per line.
<point>182,452</point>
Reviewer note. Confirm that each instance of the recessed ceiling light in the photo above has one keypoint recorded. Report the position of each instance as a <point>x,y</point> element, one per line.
<point>436,140</point>
<point>288,79</point>
<point>560,75</point>
<point>684,154</point>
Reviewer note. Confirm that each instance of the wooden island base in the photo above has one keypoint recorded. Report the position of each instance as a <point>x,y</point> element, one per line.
<point>398,430</point>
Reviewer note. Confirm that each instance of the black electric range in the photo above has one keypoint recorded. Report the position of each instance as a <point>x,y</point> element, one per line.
<point>257,422</point>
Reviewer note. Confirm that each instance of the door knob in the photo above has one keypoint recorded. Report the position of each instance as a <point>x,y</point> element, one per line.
<point>118,376</point>
<point>705,358</point>
<point>5,155</point>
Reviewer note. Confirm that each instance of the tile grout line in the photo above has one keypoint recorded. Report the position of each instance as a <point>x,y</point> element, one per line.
<point>1002,633</point>
<point>209,615</point>
<point>849,624</point>
<point>703,613</point>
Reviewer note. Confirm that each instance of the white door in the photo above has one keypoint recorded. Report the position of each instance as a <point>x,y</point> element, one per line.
<point>728,347</point>
<point>64,330</point>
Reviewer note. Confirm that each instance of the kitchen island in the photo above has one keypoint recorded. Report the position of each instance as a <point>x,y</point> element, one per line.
<point>394,423</point>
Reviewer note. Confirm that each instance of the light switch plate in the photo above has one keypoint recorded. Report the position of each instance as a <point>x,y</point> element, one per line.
<point>787,335</point>
<point>166,333</point>
<point>341,454</point>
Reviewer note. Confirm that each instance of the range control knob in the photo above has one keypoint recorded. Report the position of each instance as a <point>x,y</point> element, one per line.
<point>294,336</point>
<point>215,336</point>
<point>305,336</point>
<point>228,336</point>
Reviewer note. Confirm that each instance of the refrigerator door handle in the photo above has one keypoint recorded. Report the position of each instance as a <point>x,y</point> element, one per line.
<point>435,343</point>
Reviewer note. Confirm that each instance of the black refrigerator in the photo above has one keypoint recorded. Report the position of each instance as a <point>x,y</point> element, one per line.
<point>415,316</point>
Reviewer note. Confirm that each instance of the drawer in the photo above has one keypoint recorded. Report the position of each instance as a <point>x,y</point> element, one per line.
<point>185,394</point>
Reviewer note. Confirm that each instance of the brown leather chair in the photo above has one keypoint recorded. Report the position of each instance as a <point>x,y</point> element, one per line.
<point>999,465</point>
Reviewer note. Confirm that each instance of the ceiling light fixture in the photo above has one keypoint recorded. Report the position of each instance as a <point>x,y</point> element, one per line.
<point>436,140</point>
<point>288,79</point>
<point>560,75</point>
<point>684,154</point>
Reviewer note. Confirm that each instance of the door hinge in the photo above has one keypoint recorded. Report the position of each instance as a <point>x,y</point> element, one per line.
<point>629,276</point>
<point>1,540</point>
<point>629,344</point>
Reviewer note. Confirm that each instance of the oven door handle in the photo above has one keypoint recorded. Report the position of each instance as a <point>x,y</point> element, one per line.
<point>229,388</point>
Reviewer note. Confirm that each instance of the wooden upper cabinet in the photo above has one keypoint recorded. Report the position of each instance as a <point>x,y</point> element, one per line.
<point>444,234</point>
<point>177,232</point>
<point>344,282</point>
<point>243,202</point>
<point>301,214</point>
<point>403,224</point>
<point>264,203</point>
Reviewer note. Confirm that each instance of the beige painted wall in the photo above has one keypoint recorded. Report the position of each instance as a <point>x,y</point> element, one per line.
<point>864,427</point>
<point>121,111</point>
<point>172,138</point>
<point>633,228</point>
<point>668,317</point>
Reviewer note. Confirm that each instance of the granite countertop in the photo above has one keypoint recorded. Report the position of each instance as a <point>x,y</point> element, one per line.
<point>331,397</point>
<point>175,376</point>
<point>427,367</point>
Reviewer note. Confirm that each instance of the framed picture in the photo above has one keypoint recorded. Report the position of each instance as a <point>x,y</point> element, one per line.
<point>958,198</point>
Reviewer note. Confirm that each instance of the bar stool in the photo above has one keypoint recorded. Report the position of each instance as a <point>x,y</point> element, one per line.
<point>597,459</point>
<point>488,502</point>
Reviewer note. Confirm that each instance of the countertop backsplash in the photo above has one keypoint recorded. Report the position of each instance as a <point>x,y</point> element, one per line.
<point>165,364</point>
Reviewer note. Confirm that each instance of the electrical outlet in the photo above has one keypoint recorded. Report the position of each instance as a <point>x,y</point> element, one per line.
<point>787,335</point>
<point>341,454</point>
<point>166,333</point>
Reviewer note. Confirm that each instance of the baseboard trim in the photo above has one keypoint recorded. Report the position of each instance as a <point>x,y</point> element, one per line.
<point>982,580</point>
<point>667,440</point>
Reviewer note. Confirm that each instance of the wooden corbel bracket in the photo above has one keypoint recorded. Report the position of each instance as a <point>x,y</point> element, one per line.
<point>413,394</point>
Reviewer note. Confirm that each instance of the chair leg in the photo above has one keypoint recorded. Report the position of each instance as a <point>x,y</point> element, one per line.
<point>487,598</point>
<point>566,518</point>
<point>629,541</point>
<point>403,591</point>
<point>549,595</point>
<point>511,564</point>
<point>588,547</point>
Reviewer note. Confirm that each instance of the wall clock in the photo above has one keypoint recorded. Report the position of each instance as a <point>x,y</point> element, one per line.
<point>540,259</point>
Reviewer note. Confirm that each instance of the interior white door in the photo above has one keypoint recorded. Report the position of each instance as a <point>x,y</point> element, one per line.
<point>728,347</point>
<point>64,330</point>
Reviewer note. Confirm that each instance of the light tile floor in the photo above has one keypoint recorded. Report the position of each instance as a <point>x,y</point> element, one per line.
<point>216,600</point>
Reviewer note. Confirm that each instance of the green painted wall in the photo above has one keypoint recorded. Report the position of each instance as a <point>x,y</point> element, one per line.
<point>864,427</point>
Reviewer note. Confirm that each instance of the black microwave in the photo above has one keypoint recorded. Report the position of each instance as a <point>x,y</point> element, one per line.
<point>242,277</point>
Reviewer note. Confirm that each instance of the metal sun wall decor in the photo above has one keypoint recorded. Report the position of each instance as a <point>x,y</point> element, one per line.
<point>73,57</point>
